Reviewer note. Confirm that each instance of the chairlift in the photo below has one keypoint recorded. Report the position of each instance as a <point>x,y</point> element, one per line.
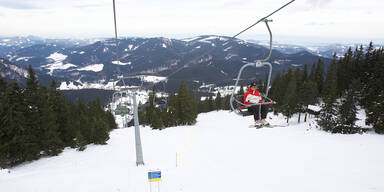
<point>236,101</point>
<point>162,103</point>
<point>122,110</point>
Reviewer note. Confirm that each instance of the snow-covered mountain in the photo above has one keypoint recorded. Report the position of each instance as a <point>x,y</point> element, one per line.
<point>205,59</point>
<point>12,72</point>
<point>322,50</point>
<point>219,153</point>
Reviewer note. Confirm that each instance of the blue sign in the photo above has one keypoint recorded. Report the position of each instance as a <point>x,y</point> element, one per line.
<point>154,176</point>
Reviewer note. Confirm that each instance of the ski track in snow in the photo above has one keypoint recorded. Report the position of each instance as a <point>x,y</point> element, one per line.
<point>219,153</point>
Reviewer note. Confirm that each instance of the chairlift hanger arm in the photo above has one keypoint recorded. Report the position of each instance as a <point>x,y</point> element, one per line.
<point>262,19</point>
<point>256,64</point>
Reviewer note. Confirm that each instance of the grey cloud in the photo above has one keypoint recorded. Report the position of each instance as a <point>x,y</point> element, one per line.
<point>318,3</point>
<point>319,24</point>
<point>12,4</point>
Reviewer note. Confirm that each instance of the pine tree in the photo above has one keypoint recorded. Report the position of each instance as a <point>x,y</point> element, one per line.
<point>290,99</point>
<point>319,76</point>
<point>227,100</point>
<point>309,95</point>
<point>218,101</point>
<point>61,108</point>
<point>305,73</point>
<point>172,113</point>
<point>111,121</point>
<point>32,97</point>
<point>99,122</point>
<point>13,146</point>
<point>85,125</point>
<point>210,104</point>
<point>151,108</point>
<point>157,121</point>
<point>186,107</point>
<point>347,110</point>
<point>81,143</point>
<point>299,76</point>
<point>328,114</point>
<point>276,91</point>
<point>50,142</point>
<point>241,90</point>
<point>372,79</point>
<point>330,85</point>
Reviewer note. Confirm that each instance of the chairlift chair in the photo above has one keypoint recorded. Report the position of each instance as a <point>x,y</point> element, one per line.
<point>236,101</point>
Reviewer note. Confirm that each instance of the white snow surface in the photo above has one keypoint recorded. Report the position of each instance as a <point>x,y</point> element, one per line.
<point>57,63</point>
<point>219,153</point>
<point>121,63</point>
<point>314,107</point>
<point>153,79</point>
<point>94,67</point>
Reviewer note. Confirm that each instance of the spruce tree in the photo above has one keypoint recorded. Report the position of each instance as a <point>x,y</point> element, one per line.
<point>330,84</point>
<point>347,110</point>
<point>81,143</point>
<point>210,104</point>
<point>13,146</point>
<point>290,99</point>
<point>32,99</point>
<point>185,106</point>
<point>227,100</point>
<point>241,90</point>
<point>99,122</point>
<point>276,89</point>
<point>50,141</point>
<point>157,121</point>
<point>328,114</point>
<point>172,113</point>
<point>218,101</point>
<point>319,76</point>
<point>309,95</point>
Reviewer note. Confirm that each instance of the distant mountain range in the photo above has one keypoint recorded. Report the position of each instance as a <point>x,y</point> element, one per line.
<point>197,61</point>
<point>323,50</point>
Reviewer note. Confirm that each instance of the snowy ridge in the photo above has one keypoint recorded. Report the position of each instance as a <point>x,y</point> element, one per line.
<point>20,71</point>
<point>94,68</point>
<point>219,153</point>
<point>57,63</point>
<point>121,63</point>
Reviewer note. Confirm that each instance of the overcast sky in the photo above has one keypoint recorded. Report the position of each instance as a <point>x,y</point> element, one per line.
<point>303,21</point>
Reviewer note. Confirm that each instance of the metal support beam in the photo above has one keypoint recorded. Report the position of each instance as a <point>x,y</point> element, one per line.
<point>139,150</point>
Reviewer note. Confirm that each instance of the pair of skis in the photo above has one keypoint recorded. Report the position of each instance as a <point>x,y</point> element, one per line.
<point>266,125</point>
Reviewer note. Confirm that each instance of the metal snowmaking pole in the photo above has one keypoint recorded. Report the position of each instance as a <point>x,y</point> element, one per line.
<point>139,150</point>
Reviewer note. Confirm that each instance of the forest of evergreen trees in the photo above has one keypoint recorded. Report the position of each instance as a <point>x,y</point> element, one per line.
<point>351,81</point>
<point>355,80</point>
<point>37,121</point>
<point>181,109</point>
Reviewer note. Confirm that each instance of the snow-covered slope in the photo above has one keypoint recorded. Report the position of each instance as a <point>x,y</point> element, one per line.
<point>219,153</point>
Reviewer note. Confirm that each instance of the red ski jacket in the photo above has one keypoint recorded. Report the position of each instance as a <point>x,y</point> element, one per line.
<point>255,93</point>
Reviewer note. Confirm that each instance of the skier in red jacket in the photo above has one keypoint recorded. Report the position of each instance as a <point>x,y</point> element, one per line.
<point>259,112</point>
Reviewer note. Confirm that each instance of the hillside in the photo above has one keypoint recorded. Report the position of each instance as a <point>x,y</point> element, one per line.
<point>206,59</point>
<point>219,153</point>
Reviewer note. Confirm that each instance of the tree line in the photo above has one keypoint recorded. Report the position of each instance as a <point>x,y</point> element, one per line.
<point>352,81</point>
<point>180,109</point>
<point>37,121</point>
<point>356,79</point>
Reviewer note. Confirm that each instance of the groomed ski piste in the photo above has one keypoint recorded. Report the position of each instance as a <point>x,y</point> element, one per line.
<point>219,153</point>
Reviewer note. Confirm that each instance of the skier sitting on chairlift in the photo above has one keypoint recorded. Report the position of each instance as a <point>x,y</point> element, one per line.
<point>161,104</point>
<point>259,112</point>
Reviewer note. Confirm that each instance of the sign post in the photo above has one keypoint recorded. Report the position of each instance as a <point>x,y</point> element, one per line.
<point>154,177</point>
